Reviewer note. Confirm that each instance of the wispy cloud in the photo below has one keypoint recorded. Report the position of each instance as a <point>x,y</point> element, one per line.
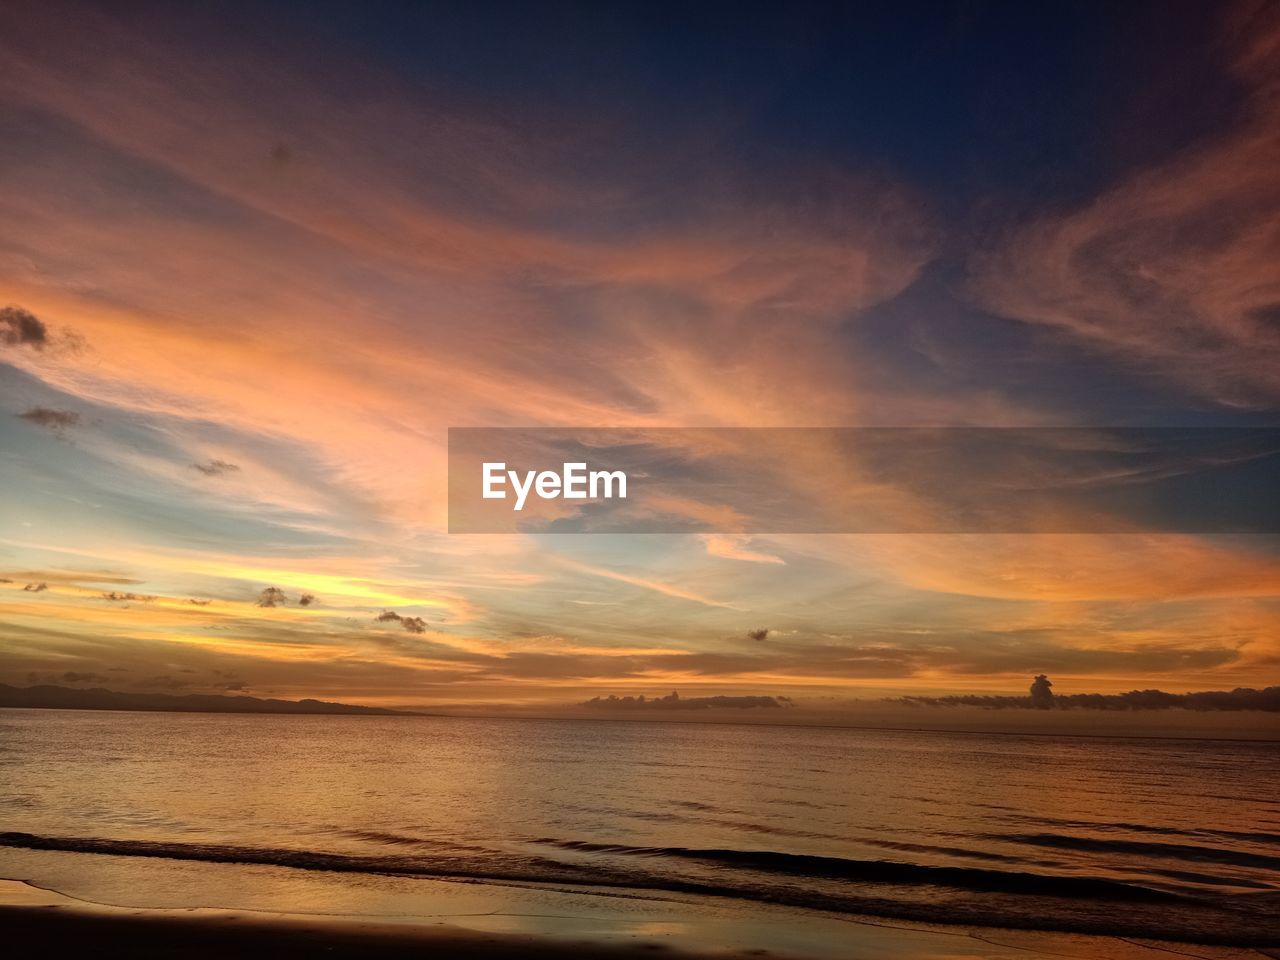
<point>657,586</point>
<point>1172,271</point>
<point>736,548</point>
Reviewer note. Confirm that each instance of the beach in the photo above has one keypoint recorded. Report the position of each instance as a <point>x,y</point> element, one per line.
<point>40,920</point>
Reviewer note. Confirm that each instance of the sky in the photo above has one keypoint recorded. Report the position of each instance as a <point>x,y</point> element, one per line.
<point>258,258</point>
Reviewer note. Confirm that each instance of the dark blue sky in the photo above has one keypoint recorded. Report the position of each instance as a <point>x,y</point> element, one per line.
<point>970,101</point>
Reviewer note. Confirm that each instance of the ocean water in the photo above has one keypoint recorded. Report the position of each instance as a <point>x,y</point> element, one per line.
<point>1171,839</point>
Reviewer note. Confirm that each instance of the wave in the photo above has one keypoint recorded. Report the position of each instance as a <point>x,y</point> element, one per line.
<point>1175,851</point>
<point>980,897</point>
<point>497,866</point>
<point>385,839</point>
<point>893,872</point>
<point>441,864</point>
<point>928,848</point>
<point>1250,836</point>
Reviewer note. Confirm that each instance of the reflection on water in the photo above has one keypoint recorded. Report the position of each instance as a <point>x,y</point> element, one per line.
<point>1146,837</point>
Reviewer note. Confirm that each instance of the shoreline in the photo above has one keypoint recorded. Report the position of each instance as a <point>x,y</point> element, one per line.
<point>53,923</point>
<point>38,919</point>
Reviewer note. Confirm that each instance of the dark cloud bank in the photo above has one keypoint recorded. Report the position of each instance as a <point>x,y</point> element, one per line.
<point>1241,698</point>
<point>674,701</point>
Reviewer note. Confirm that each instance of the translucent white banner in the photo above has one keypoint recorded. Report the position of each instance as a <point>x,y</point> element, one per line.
<point>864,480</point>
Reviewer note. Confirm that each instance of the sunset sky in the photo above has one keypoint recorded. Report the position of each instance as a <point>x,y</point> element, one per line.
<point>255,264</point>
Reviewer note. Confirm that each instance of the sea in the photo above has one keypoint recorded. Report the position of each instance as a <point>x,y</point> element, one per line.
<point>1149,838</point>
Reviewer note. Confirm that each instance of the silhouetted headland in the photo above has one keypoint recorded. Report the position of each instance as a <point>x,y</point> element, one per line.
<point>67,698</point>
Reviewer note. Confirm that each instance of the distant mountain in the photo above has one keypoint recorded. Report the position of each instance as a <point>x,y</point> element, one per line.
<point>66,698</point>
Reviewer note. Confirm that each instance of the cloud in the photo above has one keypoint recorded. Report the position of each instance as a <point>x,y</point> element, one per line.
<point>272,597</point>
<point>36,587</point>
<point>1173,271</point>
<point>73,577</point>
<point>307,599</point>
<point>166,681</point>
<point>411,624</point>
<point>758,635</point>
<point>115,595</point>
<point>1065,568</point>
<point>55,420</point>
<point>735,547</point>
<point>72,676</point>
<point>666,589</point>
<point>22,328</point>
<point>216,468</point>
<point>673,701</point>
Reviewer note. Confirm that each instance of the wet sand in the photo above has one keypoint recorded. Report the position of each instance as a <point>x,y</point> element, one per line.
<point>40,922</point>
<point>43,922</point>
<point>59,931</point>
